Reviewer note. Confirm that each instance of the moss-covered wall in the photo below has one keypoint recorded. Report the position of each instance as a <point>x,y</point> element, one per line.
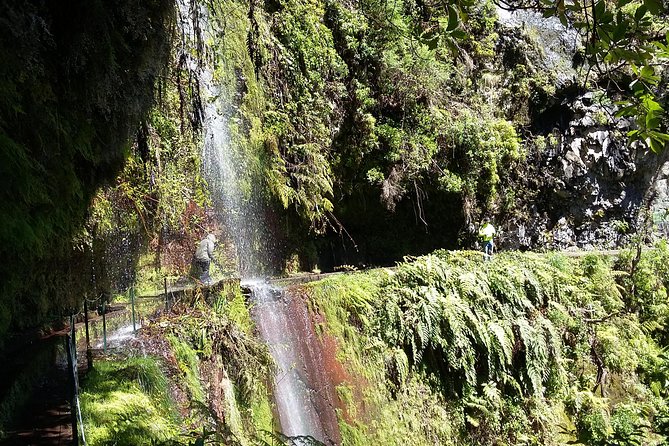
<point>376,130</point>
<point>524,349</point>
<point>75,81</point>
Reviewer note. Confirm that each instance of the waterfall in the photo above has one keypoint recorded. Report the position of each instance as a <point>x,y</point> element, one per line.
<point>296,409</point>
<point>305,410</point>
<point>229,175</point>
<point>121,335</point>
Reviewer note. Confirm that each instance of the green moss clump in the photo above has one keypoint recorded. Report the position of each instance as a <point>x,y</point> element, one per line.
<point>128,403</point>
<point>217,371</point>
<point>232,304</point>
<point>223,365</point>
<point>188,363</point>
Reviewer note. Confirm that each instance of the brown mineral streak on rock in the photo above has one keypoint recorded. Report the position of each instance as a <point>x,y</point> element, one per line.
<point>318,362</point>
<point>337,373</point>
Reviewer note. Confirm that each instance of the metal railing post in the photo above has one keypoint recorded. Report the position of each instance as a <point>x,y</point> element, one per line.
<point>104,326</point>
<point>132,301</point>
<point>73,335</point>
<point>89,354</point>
<point>71,351</point>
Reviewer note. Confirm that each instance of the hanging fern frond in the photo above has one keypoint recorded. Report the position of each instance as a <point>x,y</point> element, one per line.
<point>396,366</point>
<point>536,355</point>
<point>503,339</point>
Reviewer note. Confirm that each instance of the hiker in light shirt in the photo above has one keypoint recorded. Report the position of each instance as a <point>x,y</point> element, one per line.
<point>487,233</point>
<point>204,256</point>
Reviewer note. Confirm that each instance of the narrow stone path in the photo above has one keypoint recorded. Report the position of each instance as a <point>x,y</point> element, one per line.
<point>606,252</point>
<point>46,419</point>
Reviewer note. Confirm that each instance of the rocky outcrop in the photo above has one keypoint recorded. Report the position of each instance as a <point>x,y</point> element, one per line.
<point>591,183</point>
<point>584,183</point>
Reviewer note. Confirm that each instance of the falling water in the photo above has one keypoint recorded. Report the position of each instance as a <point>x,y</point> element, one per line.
<point>298,404</point>
<point>298,414</point>
<point>230,177</point>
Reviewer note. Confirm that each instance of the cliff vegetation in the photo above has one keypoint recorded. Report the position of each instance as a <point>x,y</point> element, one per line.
<point>526,349</point>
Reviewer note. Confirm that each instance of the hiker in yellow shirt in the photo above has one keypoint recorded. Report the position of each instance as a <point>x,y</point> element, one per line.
<point>487,232</point>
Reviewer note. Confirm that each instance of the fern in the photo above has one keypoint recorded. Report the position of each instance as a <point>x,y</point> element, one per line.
<point>536,354</point>
<point>397,366</point>
<point>503,338</point>
<point>464,310</point>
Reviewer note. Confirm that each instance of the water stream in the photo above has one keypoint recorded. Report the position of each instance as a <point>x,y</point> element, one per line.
<point>283,323</point>
<point>297,412</point>
<point>120,336</point>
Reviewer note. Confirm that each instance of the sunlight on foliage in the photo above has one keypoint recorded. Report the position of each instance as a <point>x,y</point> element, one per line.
<point>127,403</point>
<point>525,349</point>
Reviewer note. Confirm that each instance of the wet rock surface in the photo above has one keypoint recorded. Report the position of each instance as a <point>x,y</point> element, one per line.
<point>304,391</point>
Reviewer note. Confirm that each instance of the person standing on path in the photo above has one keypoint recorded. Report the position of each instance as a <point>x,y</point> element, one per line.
<point>204,256</point>
<point>487,233</point>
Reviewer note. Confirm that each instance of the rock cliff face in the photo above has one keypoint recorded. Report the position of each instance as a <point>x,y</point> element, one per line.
<point>585,183</point>
<point>384,155</point>
<point>593,184</point>
<point>76,80</point>
<point>661,202</point>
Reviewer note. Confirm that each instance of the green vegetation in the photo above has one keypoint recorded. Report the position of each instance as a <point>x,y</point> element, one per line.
<point>405,106</point>
<point>373,116</point>
<point>223,369</point>
<point>347,118</point>
<point>127,402</point>
<point>156,204</point>
<point>363,119</point>
<point>74,84</point>
<point>209,383</point>
<point>525,349</point>
<point>445,349</point>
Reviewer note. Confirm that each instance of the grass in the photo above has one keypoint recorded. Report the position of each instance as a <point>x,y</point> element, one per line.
<point>127,402</point>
